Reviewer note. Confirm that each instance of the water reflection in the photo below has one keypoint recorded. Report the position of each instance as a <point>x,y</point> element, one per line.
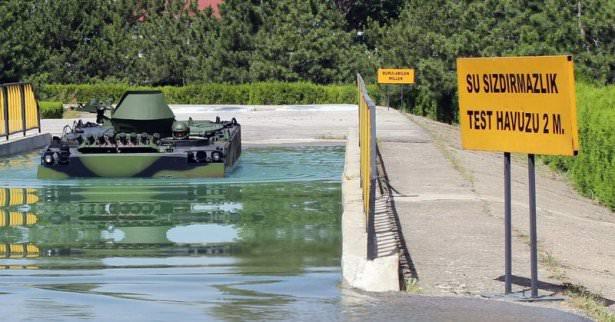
<point>256,165</point>
<point>260,228</point>
<point>261,243</point>
<point>252,246</point>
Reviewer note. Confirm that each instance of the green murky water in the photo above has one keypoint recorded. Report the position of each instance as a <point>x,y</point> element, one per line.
<point>262,244</point>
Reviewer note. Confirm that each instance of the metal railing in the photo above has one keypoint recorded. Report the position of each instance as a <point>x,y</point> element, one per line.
<point>368,149</point>
<point>19,110</point>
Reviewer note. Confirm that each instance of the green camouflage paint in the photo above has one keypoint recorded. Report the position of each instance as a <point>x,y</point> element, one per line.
<point>142,138</point>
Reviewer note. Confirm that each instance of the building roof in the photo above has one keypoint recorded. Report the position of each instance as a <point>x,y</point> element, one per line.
<point>214,4</point>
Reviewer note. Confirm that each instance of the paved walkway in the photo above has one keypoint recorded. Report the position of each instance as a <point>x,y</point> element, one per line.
<point>450,205</point>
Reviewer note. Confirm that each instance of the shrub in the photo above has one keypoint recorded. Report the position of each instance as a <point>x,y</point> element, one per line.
<point>261,93</point>
<point>51,110</point>
<point>593,170</point>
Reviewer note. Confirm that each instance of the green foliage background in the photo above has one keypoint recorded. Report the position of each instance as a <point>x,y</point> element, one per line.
<point>259,93</point>
<point>172,43</point>
<point>51,110</point>
<point>593,170</point>
<point>284,51</point>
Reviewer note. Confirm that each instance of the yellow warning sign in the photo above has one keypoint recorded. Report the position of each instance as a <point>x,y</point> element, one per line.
<point>395,76</point>
<point>518,104</point>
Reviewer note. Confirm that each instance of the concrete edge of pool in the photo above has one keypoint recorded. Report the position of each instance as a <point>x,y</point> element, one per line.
<point>382,273</point>
<point>25,144</point>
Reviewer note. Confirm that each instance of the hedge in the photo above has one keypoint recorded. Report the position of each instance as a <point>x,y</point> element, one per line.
<point>593,169</point>
<point>51,110</point>
<point>251,94</point>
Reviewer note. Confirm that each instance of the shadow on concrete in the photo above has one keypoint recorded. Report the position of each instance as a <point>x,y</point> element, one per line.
<point>557,288</point>
<point>526,282</point>
<point>386,235</point>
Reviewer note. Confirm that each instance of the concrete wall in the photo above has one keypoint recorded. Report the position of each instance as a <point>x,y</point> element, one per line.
<point>380,274</point>
<point>24,144</point>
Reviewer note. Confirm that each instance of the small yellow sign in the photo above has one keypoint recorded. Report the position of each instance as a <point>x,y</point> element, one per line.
<point>518,104</point>
<point>396,76</point>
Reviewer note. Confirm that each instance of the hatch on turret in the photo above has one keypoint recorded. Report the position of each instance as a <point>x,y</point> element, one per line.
<point>143,105</point>
<point>143,111</point>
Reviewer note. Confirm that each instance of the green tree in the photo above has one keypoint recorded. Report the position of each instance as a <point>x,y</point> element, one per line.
<point>305,40</point>
<point>21,51</point>
<point>72,30</point>
<point>163,44</point>
<point>359,12</point>
<point>431,35</point>
<point>421,40</point>
<point>233,49</point>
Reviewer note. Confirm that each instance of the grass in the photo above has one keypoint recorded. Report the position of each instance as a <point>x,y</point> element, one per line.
<point>591,304</point>
<point>51,110</point>
<point>412,286</point>
<point>72,114</point>
<point>579,297</point>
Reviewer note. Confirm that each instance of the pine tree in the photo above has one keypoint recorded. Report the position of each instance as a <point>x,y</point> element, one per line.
<point>21,51</point>
<point>305,40</point>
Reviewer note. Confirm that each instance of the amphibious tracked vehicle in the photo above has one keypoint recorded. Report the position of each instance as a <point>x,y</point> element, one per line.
<point>140,137</point>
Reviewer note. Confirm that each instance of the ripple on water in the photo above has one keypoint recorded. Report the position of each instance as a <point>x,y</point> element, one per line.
<point>255,165</point>
<point>261,244</point>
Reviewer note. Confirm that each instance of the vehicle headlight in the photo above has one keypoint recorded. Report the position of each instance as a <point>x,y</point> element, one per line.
<point>216,156</point>
<point>48,158</point>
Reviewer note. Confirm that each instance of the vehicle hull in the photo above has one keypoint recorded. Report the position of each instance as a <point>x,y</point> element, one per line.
<point>122,166</point>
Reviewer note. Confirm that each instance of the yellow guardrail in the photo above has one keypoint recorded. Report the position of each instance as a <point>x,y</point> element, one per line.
<point>3,117</point>
<point>19,250</point>
<point>367,148</point>
<point>17,196</point>
<point>19,110</point>
<point>17,218</point>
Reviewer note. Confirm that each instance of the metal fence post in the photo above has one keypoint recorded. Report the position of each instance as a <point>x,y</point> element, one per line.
<point>373,173</point>
<point>38,115</point>
<point>22,97</point>
<point>5,104</point>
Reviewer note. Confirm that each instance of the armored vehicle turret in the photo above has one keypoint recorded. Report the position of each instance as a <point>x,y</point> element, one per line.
<point>140,137</point>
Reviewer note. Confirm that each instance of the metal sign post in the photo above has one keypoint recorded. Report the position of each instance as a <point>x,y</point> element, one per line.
<point>388,102</point>
<point>507,227</point>
<point>534,249</point>
<point>401,97</point>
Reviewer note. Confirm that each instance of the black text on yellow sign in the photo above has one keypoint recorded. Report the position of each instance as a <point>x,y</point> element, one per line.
<point>518,104</point>
<point>396,76</point>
